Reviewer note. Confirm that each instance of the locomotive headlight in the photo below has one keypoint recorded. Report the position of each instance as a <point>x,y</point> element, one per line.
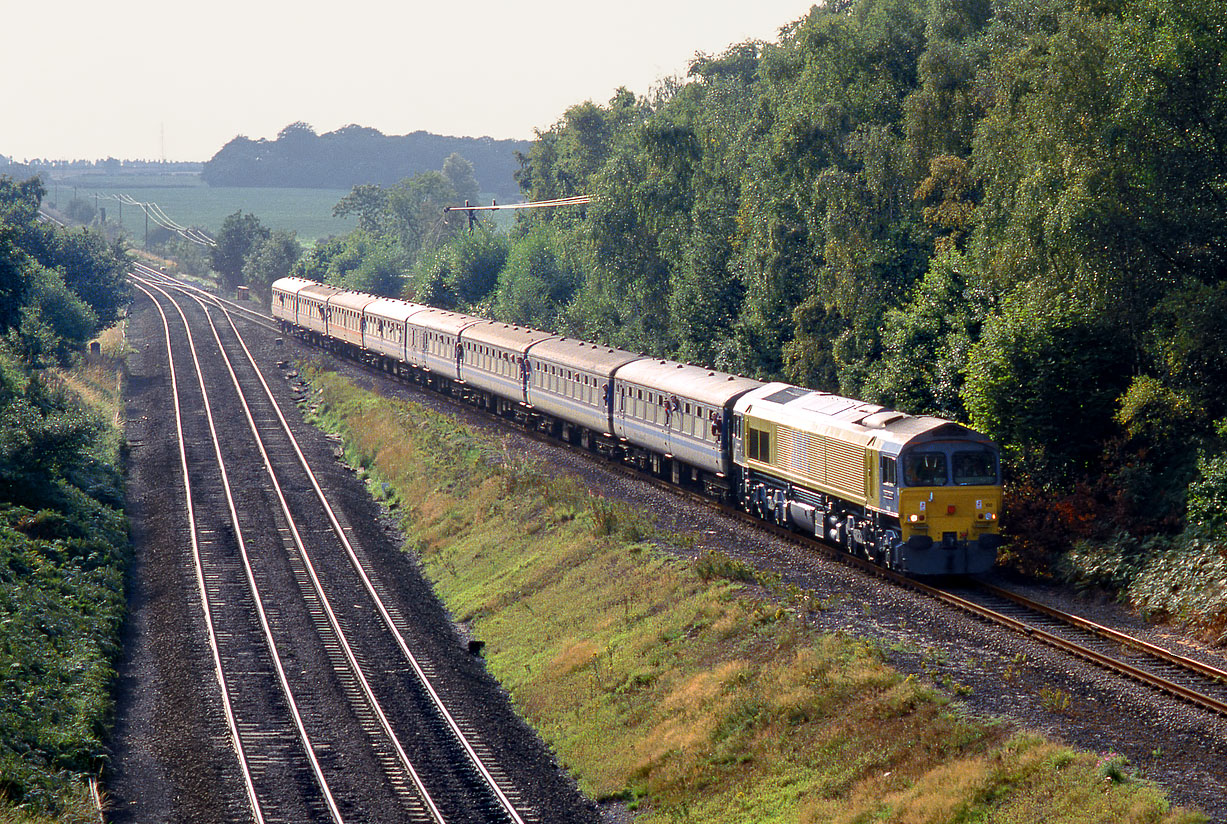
<point>916,518</point>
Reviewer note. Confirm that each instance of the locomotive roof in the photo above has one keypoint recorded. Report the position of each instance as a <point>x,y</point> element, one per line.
<point>393,309</point>
<point>847,418</point>
<point>695,383</point>
<point>580,354</point>
<point>505,335</point>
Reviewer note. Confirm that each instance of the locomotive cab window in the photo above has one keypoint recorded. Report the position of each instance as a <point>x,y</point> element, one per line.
<point>889,471</point>
<point>974,467</point>
<point>925,469</point>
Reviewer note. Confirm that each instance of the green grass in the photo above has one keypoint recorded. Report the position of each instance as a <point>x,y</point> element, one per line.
<point>191,203</point>
<point>684,688</point>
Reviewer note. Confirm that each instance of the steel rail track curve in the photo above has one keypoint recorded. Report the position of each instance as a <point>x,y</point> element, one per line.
<point>359,566</point>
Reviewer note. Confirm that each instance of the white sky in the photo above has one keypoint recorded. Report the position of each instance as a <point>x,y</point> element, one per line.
<point>97,78</point>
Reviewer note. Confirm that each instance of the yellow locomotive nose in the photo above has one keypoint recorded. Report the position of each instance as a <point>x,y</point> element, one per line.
<point>940,512</point>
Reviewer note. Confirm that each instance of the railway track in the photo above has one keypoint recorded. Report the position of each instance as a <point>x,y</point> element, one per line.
<point>374,739</point>
<point>1183,677</point>
<point>1195,682</point>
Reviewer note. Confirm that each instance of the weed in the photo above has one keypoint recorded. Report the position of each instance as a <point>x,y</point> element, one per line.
<point>1015,668</point>
<point>1055,700</point>
<point>1113,767</point>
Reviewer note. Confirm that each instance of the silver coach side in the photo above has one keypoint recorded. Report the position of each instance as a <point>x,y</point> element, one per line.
<point>313,307</point>
<point>682,413</point>
<point>384,328</point>
<point>285,298</point>
<point>494,358</point>
<point>572,381</point>
<point>345,315</point>
<point>434,341</point>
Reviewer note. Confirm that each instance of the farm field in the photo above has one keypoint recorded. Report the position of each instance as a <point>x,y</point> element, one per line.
<point>191,203</point>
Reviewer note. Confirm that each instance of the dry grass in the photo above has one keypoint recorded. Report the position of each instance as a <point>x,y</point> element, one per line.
<point>656,683</point>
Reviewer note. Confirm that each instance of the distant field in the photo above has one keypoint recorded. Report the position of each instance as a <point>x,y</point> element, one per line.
<point>191,203</point>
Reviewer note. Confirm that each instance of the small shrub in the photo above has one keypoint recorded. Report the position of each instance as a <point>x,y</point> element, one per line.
<point>1113,767</point>
<point>1055,700</point>
<point>712,565</point>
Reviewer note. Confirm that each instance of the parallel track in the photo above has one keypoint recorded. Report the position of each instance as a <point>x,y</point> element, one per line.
<point>424,750</point>
<point>1190,680</point>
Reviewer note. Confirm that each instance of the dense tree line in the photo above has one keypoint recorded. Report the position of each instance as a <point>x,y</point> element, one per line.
<point>63,538</point>
<point>355,156</point>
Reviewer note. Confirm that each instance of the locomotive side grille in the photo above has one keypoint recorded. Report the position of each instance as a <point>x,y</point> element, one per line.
<point>833,464</point>
<point>845,468</point>
<point>797,452</point>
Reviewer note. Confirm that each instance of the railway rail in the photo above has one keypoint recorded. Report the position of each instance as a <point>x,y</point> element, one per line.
<point>1188,679</point>
<point>308,572</point>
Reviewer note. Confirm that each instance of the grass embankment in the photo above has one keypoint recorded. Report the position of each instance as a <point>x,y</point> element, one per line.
<point>683,688</point>
<point>63,544</point>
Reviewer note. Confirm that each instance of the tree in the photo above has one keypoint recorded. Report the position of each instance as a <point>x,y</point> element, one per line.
<point>477,258</point>
<point>81,211</point>
<point>536,283</point>
<point>1044,380</point>
<point>368,203</point>
<point>270,259</point>
<point>459,173</point>
<point>239,236</point>
<point>93,269</point>
<point>414,212</point>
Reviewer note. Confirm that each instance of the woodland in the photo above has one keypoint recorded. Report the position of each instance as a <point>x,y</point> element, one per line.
<point>354,156</point>
<point>63,534</point>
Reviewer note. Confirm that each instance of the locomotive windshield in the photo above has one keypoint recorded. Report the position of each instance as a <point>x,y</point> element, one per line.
<point>945,465</point>
<point>974,467</point>
<point>925,469</point>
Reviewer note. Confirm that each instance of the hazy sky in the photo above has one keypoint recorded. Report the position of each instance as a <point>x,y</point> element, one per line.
<point>93,79</point>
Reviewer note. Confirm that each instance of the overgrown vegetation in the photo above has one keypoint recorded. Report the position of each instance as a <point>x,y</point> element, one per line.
<point>63,535</point>
<point>683,689</point>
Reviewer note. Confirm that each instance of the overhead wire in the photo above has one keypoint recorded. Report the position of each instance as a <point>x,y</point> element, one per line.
<point>158,215</point>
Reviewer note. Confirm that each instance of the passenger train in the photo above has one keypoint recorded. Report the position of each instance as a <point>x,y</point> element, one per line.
<point>917,494</point>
